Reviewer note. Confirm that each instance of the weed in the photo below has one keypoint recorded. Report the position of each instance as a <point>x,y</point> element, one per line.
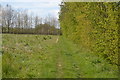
<point>28,57</point>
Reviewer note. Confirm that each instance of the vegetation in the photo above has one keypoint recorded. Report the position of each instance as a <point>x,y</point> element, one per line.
<point>88,47</point>
<point>20,22</point>
<point>0,65</point>
<point>36,56</point>
<point>92,25</point>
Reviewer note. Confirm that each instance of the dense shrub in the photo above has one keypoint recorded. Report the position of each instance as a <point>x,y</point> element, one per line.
<point>92,25</point>
<point>39,29</point>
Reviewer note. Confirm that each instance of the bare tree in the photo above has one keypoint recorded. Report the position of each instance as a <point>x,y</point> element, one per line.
<point>0,18</point>
<point>26,20</point>
<point>9,16</point>
<point>36,20</point>
<point>19,21</point>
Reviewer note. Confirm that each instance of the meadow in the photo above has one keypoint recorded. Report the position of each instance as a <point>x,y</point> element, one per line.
<point>50,56</point>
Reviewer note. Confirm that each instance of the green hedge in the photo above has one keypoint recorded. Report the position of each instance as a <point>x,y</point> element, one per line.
<point>93,25</point>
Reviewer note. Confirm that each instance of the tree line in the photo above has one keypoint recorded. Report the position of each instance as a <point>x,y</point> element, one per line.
<point>21,22</point>
<point>93,25</point>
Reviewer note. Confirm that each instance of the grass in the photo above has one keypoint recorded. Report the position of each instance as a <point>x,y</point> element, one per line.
<point>40,56</point>
<point>0,66</point>
<point>0,56</point>
<point>79,63</point>
<point>28,56</point>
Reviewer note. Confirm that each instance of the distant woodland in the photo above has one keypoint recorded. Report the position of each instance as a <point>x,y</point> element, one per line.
<point>19,21</point>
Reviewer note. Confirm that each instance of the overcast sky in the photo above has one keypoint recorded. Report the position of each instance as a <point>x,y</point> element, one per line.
<point>38,7</point>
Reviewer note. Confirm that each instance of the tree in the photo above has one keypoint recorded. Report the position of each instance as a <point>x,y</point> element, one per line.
<point>9,16</point>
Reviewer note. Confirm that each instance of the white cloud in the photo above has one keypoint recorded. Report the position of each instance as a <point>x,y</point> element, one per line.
<point>38,7</point>
<point>30,0</point>
<point>55,13</point>
<point>44,13</point>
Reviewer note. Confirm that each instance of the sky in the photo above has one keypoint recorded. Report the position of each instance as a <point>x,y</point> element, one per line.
<point>41,8</point>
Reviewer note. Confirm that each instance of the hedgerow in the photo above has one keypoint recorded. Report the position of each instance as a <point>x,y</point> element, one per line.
<point>93,25</point>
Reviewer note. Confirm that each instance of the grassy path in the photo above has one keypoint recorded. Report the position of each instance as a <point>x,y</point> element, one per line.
<point>66,64</point>
<point>75,62</point>
<point>40,56</point>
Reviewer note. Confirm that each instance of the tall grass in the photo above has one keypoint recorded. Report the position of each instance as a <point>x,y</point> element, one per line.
<point>39,56</point>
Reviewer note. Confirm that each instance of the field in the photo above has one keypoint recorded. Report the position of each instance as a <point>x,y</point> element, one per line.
<point>47,56</point>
